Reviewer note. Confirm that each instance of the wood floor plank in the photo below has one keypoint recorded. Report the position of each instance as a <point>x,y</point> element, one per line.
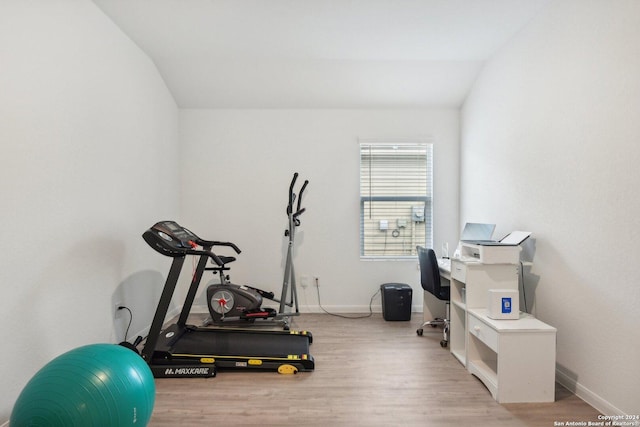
<point>368,372</point>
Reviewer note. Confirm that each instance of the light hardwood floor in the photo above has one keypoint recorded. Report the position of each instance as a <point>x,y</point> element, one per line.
<point>369,372</point>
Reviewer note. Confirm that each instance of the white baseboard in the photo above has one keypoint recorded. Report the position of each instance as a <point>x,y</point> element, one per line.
<point>587,395</point>
<point>6,424</point>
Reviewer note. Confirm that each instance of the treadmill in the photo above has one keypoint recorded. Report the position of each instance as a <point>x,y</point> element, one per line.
<point>183,351</point>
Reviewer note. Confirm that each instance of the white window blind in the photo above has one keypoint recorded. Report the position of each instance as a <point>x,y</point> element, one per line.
<point>395,198</point>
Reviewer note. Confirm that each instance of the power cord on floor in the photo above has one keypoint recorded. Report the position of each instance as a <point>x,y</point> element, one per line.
<point>342,315</point>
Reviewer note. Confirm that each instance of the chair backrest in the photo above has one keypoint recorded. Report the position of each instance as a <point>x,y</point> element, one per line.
<point>430,273</point>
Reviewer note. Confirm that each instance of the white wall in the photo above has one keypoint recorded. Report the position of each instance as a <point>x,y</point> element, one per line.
<point>550,144</point>
<point>88,132</point>
<point>237,165</point>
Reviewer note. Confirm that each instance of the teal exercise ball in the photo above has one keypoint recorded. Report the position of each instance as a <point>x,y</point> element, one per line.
<point>94,385</point>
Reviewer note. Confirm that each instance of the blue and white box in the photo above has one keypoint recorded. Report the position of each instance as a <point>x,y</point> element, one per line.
<point>503,304</point>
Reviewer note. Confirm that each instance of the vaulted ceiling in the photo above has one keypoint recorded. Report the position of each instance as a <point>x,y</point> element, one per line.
<point>320,53</point>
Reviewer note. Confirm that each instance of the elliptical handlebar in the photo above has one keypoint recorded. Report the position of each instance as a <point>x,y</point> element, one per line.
<point>299,211</point>
<point>292,197</point>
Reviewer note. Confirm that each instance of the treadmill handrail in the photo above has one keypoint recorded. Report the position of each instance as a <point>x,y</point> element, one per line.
<point>211,243</point>
<point>208,253</point>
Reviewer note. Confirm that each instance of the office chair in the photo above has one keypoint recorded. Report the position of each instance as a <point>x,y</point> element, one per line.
<point>430,281</point>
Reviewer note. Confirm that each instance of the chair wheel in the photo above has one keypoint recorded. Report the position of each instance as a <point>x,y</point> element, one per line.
<point>419,332</point>
<point>443,344</point>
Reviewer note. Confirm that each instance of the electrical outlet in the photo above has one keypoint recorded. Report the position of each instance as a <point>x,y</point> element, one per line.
<point>116,309</point>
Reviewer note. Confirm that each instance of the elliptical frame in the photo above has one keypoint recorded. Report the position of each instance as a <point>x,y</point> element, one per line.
<point>289,280</point>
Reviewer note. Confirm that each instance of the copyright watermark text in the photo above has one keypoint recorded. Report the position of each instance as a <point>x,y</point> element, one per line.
<point>603,421</point>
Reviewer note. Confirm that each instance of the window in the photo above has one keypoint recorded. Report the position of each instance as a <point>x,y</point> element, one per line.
<point>395,198</point>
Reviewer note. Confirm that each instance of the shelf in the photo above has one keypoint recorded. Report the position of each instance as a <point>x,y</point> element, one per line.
<point>459,304</point>
<point>483,357</point>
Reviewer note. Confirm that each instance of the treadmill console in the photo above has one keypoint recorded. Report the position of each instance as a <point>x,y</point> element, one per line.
<point>171,239</point>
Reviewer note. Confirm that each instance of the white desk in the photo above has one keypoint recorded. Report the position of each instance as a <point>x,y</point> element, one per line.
<point>515,359</point>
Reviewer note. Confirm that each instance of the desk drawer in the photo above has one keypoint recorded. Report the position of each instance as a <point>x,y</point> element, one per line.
<point>483,332</point>
<point>459,271</point>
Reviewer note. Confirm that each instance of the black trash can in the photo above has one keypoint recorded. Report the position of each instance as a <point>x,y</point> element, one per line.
<point>396,301</point>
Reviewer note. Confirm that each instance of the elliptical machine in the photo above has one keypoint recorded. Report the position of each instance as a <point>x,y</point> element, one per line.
<point>232,304</point>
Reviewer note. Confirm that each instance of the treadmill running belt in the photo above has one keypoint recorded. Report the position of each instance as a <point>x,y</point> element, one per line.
<point>246,344</point>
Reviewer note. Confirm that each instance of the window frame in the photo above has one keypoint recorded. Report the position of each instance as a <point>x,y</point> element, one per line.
<point>427,199</point>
